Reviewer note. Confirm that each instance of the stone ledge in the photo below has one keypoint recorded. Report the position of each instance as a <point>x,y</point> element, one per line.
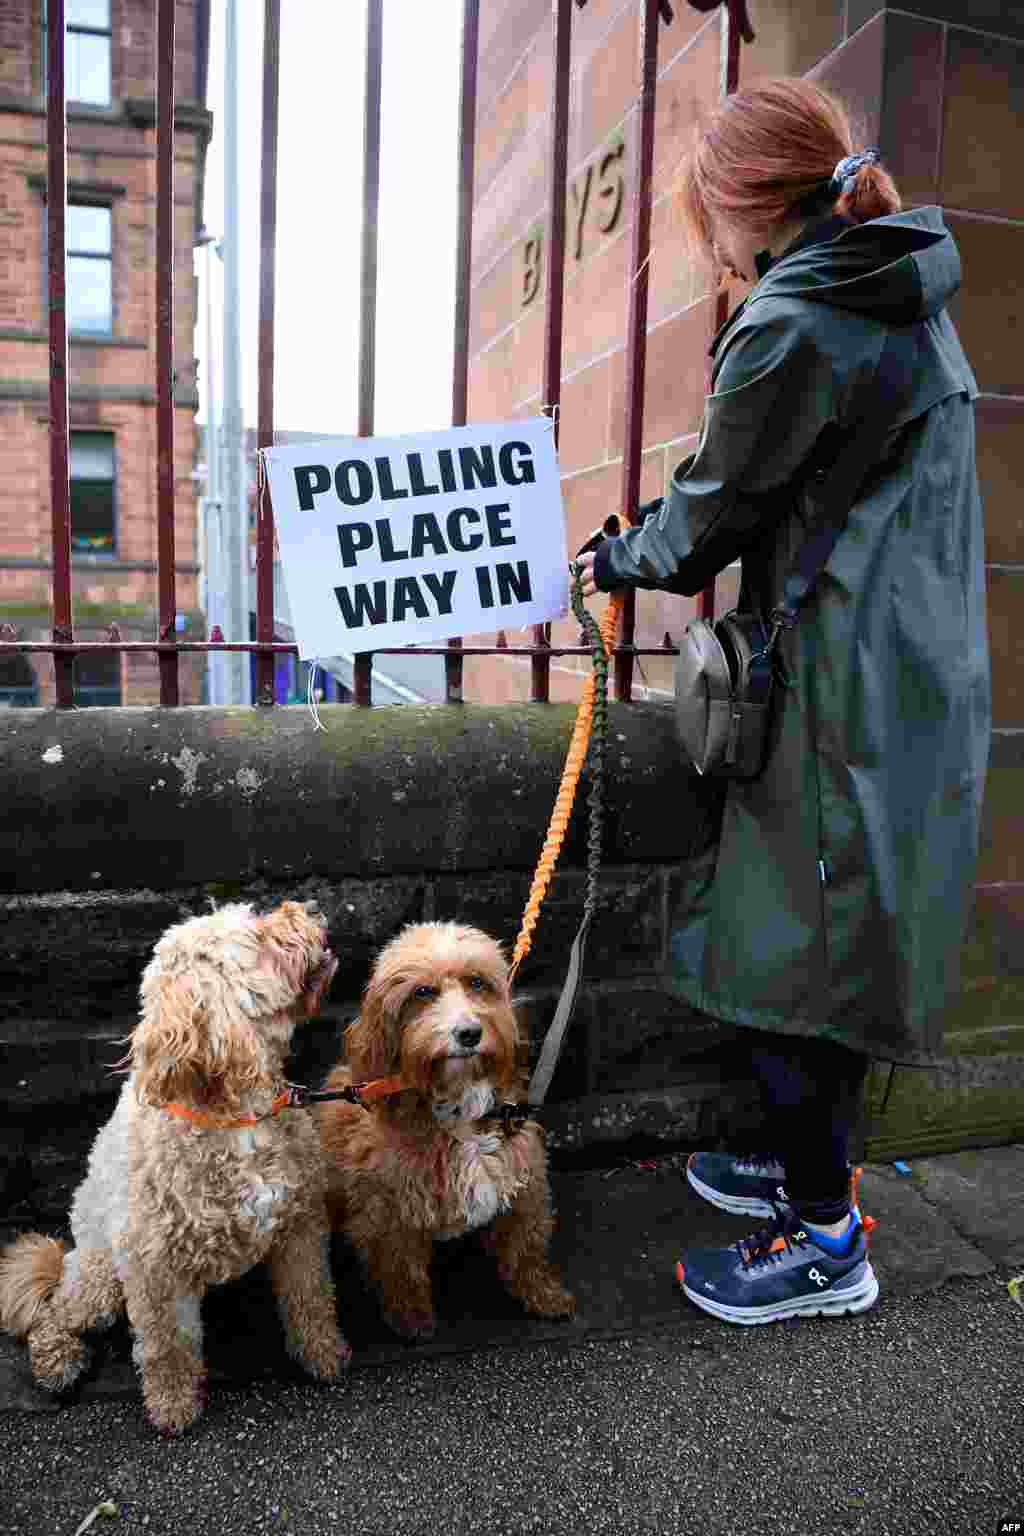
<point>125,798</point>
<point>968,1101</point>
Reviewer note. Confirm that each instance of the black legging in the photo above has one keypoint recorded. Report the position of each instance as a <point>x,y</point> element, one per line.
<point>811,1094</point>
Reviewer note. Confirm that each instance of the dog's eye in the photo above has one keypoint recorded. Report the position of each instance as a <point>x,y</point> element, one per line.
<point>424,992</point>
<point>477,984</point>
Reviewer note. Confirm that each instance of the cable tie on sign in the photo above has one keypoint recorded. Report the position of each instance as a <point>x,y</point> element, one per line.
<point>311,699</point>
<point>552,411</point>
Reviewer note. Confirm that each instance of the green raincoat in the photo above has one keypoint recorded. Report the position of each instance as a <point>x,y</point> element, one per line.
<point>833,903</point>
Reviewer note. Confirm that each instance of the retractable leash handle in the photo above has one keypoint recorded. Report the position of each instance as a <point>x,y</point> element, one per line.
<point>609,529</point>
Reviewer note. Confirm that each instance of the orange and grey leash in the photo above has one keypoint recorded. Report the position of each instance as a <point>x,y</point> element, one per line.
<point>590,731</point>
<point>292,1096</point>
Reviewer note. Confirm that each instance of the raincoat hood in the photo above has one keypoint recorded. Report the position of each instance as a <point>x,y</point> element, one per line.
<point>895,270</point>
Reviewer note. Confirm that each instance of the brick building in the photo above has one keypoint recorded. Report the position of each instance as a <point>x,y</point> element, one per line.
<point>938,86</point>
<point>110,67</point>
<point>942,100</point>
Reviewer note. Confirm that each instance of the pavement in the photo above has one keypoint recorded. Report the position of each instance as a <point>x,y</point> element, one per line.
<point>641,1414</point>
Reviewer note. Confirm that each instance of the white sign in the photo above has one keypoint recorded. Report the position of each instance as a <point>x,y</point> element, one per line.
<point>390,541</point>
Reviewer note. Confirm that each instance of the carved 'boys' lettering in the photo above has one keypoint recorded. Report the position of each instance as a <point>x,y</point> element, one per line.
<point>610,188</point>
<point>531,275</point>
<point>581,197</point>
<point>607,177</point>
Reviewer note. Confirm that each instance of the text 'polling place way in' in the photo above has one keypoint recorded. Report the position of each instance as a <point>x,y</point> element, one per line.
<point>391,541</point>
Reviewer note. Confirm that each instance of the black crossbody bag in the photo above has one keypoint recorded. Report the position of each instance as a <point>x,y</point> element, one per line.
<point>725,676</point>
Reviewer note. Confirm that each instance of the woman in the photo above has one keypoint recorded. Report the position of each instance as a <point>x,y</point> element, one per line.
<point>828,917</point>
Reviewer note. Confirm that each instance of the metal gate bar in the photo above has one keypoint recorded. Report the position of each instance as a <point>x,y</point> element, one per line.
<point>289,648</point>
<point>636,346</point>
<point>362,666</point>
<point>554,295</point>
<point>264,690</point>
<point>463,274</point>
<point>734,21</point>
<point>60,486</point>
<point>167,597</point>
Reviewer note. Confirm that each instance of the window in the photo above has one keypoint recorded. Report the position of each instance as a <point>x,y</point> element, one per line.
<point>87,50</point>
<point>97,678</point>
<point>90,268</point>
<point>18,686</point>
<point>92,493</point>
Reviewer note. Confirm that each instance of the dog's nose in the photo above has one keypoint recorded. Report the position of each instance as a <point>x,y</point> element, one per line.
<point>468,1035</point>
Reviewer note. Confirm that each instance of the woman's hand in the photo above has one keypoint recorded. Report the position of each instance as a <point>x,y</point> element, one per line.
<point>609,529</point>
<point>586,565</point>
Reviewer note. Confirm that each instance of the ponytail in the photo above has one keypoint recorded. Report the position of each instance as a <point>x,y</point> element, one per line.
<point>768,154</point>
<point>872,195</point>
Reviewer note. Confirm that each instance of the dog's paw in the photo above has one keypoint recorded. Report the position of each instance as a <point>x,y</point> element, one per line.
<point>329,1361</point>
<point>552,1301</point>
<point>58,1360</point>
<point>171,1415</point>
<point>413,1326</point>
<point>541,1292</point>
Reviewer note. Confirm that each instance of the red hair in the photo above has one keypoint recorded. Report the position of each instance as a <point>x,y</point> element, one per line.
<point>762,157</point>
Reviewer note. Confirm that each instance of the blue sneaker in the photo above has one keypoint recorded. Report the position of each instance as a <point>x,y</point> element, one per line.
<point>746,1186</point>
<point>781,1271</point>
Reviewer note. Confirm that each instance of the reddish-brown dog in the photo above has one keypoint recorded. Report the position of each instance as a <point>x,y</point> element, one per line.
<point>426,1163</point>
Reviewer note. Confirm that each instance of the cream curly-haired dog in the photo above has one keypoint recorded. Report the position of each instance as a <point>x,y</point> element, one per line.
<point>424,1161</point>
<point>197,1176</point>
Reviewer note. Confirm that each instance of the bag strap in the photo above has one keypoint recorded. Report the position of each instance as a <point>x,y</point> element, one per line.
<point>889,388</point>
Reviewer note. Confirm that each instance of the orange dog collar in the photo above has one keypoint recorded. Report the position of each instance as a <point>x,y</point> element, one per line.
<point>206,1122</point>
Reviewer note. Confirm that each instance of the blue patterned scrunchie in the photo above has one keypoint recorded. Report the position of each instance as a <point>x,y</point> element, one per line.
<point>845,172</point>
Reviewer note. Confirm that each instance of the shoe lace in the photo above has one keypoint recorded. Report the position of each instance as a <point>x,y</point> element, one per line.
<point>769,1243</point>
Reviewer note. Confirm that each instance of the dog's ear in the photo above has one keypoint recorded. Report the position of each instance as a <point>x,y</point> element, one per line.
<point>169,1048</point>
<point>371,1040</point>
<point>317,983</point>
<point>184,1051</point>
<point>292,941</point>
